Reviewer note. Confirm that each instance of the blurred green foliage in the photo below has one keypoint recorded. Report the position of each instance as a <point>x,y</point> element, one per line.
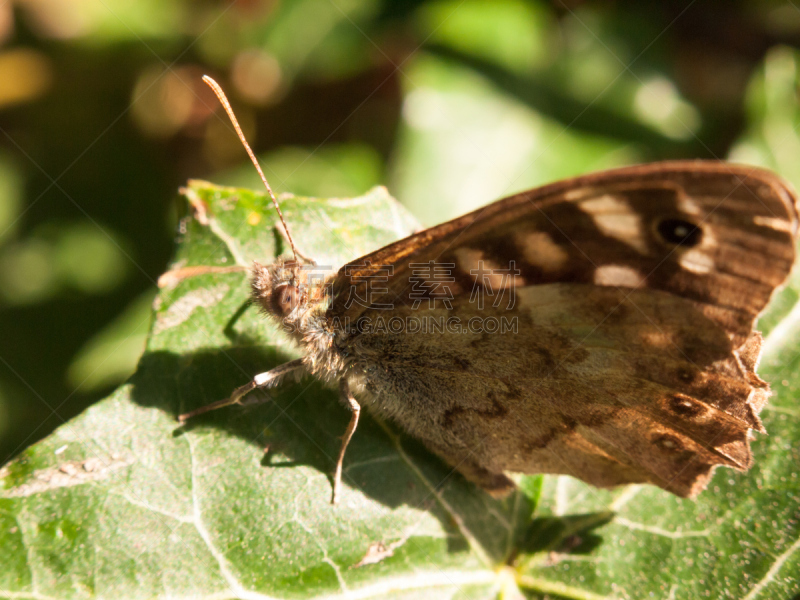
<point>449,103</point>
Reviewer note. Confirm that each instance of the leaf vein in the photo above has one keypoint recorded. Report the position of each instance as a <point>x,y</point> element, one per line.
<point>770,575</point>
<point>675,535</point>
<point>471,540</point>
<point>237,589</point>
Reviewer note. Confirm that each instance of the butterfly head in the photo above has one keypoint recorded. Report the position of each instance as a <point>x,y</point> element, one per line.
<point>278,288</point>
<point>287,289</point>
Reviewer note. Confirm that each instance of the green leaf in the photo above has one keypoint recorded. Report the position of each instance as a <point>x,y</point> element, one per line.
<point>124,502</point>
<point>771,138</point>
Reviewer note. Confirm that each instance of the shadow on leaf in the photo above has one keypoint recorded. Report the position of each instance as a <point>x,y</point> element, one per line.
<point>299,426</point>
<point>569,534</point>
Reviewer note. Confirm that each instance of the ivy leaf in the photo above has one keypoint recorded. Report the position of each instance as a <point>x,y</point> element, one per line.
<point>122,501</point>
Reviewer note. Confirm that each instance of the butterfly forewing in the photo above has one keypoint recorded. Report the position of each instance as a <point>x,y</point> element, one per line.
<point>621,228</point>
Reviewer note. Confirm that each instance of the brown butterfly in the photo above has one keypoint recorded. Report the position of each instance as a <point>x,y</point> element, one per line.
<point>599,327</point>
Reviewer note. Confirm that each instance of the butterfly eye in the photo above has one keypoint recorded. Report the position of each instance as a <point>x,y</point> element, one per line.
<point>680,232</point>
<point>285,299</point>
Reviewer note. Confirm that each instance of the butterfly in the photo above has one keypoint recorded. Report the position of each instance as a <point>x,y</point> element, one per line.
<point>599,327</point>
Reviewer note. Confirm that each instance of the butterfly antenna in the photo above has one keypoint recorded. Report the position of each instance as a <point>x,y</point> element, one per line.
<point>223,99</point>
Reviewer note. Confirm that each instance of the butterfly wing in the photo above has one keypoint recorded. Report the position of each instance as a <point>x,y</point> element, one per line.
<point>610,386</point>
<point>722,235</point>
<point>633,358</point>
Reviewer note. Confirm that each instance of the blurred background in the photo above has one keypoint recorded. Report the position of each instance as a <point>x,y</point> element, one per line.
<point>449,103</point>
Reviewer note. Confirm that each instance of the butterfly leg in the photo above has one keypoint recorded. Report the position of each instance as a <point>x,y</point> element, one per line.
<point>352,404</point>
<point>263,380</point>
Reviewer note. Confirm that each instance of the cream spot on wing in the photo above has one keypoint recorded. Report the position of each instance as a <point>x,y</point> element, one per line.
<point>659,339</point>
<point>617,275</point>
<point>579,193</point>
<point>614,217</point>
<point>773,223</point>
<point>607,203</point>
<point>709,239</point>
<point>696,261</point>
<point>539,249</point>
<point>485,271</point>
<point>666,442</point>
<point>689,206</point>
